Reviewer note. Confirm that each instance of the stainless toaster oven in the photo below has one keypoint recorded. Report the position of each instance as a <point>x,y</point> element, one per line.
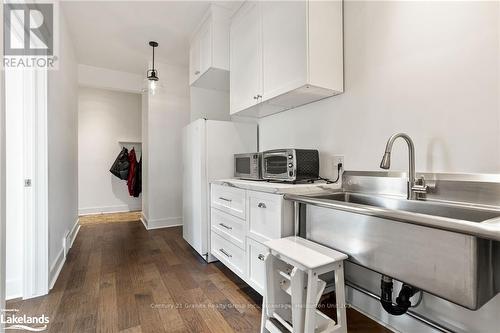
<point>290,164</point>
<point>247,166</point>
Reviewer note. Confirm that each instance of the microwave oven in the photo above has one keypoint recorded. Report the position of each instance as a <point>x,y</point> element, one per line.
<point>290,165</point>
<point>247,166</point>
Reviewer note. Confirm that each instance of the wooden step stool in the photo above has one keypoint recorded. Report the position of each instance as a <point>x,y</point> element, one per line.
<point>293,289</point>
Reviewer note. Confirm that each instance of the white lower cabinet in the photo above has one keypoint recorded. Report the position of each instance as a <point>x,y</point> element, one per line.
<point>230,227</point>
<point>264,215</point>
<point>229,254</point>
<point>238,231</point>
<point>256,270</point>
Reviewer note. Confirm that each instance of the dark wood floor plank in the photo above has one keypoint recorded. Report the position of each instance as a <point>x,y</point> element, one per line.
<point>121,278</point>
<point>107,313</point>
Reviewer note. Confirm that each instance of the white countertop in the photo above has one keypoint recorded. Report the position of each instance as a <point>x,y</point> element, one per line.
<point>278,188</point>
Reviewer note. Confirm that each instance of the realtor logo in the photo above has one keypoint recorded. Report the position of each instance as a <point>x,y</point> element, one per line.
<point>28,29</point>
<point>31,34</point>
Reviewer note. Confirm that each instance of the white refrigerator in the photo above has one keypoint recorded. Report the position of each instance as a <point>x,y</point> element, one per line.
<point>208,147</point>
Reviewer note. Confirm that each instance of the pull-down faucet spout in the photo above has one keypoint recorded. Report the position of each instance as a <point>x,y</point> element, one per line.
<point>413,189</point>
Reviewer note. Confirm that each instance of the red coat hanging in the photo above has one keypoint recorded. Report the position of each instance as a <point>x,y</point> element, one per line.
<point>131,173</point>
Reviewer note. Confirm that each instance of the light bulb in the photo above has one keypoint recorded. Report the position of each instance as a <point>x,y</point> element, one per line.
<point>152,87</point>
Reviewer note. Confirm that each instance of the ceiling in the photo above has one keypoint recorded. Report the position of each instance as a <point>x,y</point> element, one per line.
<point>115,34</point>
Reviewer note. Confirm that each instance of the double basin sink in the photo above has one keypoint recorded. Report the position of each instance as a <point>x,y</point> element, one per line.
<point>446,244</point>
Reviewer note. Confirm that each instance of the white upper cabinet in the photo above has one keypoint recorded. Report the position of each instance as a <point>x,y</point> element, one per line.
<point>285,53</point>
<point>246,57</point>
<point>209,51</point>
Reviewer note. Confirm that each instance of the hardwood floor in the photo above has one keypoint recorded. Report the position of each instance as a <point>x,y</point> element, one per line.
<point>119,277</point>
<point>110,218</point>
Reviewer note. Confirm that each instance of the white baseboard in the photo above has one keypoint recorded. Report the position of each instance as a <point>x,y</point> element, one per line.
<point>109,209</point>
<point>56,268</point>
<point>71,236</point>
<point>13,289</point>
<point>144,220</point>
<point>58,264</point>
<point>168,222</point>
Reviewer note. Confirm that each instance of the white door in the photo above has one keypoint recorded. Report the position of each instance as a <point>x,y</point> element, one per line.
<point>284,46</point>
<point>14,182</point>
<point>245,57</point>
<point>27,176</point>
<point>193,184</point>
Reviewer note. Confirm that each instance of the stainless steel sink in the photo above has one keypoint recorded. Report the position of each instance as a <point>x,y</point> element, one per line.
<point>447,245</point>
<point>451,211</point>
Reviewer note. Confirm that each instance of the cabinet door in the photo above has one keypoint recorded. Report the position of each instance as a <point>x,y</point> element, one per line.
<point>194,60</point>
<point>264,215</point>
<point>255,262</point>
<point>284,37</point>
<point>205,37</point>
<point>246,57</point>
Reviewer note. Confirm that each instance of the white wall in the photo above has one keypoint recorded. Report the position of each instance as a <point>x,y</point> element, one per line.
<point>167,113</point>
<point>97,77</point>
<point>426,68</point>
<point>209,104</point>
<point>430,69</point>
<point>62,131</point>
<point>104,118</point>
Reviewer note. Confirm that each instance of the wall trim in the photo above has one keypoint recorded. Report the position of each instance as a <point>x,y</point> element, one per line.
<point>71,236</point>
<point>161,223</point>
<point>109,209</point>
<point>16,285</point>
<point>144,220</point>
<point>56,268</point>
<point>58,264</point>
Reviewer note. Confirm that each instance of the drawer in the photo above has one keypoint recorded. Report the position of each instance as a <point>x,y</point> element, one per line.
<point>265,215</point>
<point>229,227</point>
<point>229,199</point>
<point>256,266</point>
<point>229,254</point>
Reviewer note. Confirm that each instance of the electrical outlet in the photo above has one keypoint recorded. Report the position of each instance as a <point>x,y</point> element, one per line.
<point>336,160</point>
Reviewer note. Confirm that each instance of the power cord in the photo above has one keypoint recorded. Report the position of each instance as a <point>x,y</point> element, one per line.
<point>329,181</point>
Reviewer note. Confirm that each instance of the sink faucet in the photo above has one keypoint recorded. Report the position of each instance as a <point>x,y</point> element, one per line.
<point>415,187</point>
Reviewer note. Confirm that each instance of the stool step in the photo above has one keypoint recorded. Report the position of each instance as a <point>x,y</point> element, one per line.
<point>274,326</point>
<point>286,286</point>
<point>323,324</point>
<point>304,253</point>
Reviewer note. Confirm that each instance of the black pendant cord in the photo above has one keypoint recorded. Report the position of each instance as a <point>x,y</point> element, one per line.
<point>153,58</point>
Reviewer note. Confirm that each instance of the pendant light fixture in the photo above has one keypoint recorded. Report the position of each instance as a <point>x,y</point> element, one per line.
<point>151,83</point>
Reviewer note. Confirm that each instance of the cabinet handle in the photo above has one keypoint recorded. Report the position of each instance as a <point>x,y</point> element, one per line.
<point>255,97</point>
<point>259,96</point>
<point>261,257</point>
<point>225,253</point>
<point>226,226</point>
<point>224,199</point>
<point>261,205</point>
<point>197,72</point>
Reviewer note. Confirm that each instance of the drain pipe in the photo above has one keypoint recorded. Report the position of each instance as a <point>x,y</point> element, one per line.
<point>410,313</point>
<point>402,301</point>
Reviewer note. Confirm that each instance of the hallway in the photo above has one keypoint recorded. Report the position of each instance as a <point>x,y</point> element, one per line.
<point>118,277</point>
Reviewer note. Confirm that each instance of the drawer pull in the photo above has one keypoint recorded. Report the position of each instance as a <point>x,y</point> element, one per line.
<point>261,257</point>
<point>225,199</point>
<point>226,226</point>
<point>261,205</point>
<point>225,253</point>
